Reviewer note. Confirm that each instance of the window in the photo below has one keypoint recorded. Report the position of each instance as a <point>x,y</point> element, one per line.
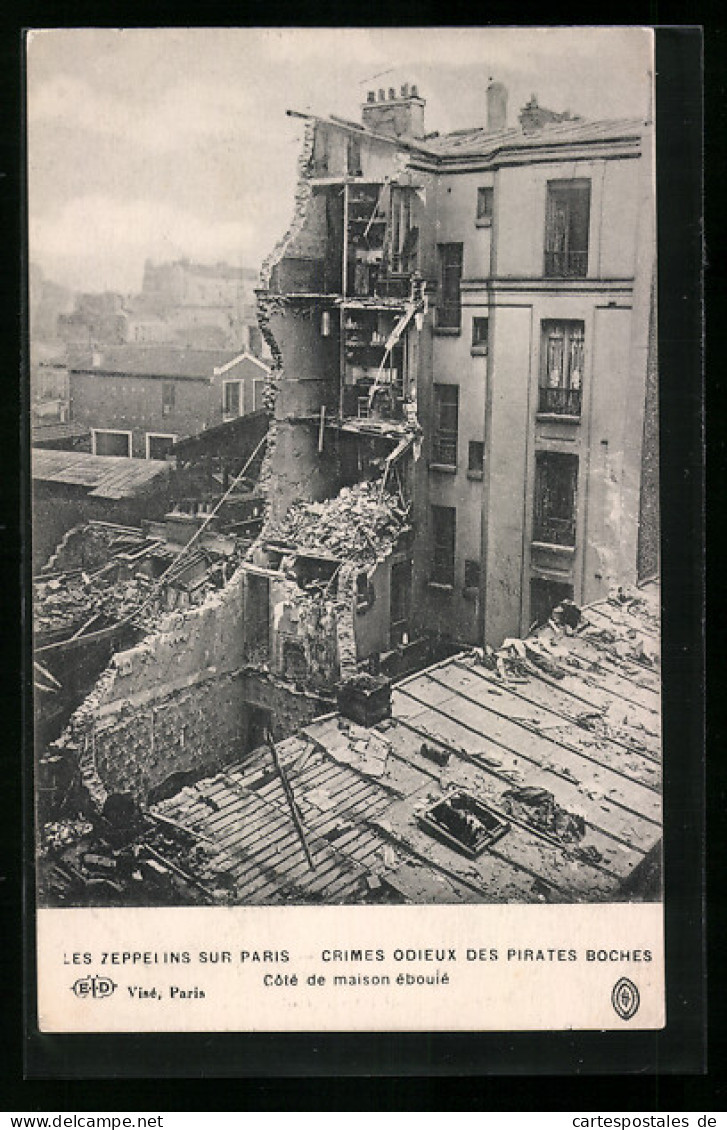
<point>449,313</point>
<point>561,368</point>
<point>566,229</point>
<point>476,459</point>
<point>169,390</point>
<point>258,393</point>
<point>443,540</point>
<point>232,398</point>
<point>404,233</point>
<point>480,334</point>
<point>554,517</point>
<point>353,157</point>
<point>158,445</point>
<point>446,425</point>
<point>471,575</point>
<point>545,596</point>
<point>110,443</point>
<point>485,203</point>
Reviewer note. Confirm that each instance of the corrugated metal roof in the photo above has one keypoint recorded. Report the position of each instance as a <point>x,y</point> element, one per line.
<point>105,476</point>
<point>573,716</point>
<point>152,361</point>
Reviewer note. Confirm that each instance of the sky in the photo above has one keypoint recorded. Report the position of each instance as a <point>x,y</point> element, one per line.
<point>172,143</point>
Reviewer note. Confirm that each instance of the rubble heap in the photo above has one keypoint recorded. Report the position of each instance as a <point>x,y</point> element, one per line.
<point>357,525</point>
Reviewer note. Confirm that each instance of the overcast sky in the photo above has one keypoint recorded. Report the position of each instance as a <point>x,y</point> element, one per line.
<point>174,142</point>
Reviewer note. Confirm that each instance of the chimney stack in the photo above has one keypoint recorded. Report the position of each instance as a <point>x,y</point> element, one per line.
<point>496,106</point>
<point>398,115</point>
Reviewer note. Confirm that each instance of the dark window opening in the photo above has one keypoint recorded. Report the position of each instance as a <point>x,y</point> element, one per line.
<point>485,203</point>
<point>294,661</point>
<point>476,457</point>
<point>561,368</point>
<point>257,614</point>
<point>545,596</point>
<point>232,398</point>
<point>556,479</point>
<point>258,725</point>
<point>404,233</point>
<point>444,520</point>
<point>168,397</point>
<point>112,443</point>
<point>566,229</point>
<point>480,334</point>
<point>471,574</point>
<point>400,605</point>
<point>449,313</point>
<point>353,157</point>
<point>160,446</point>
<point>446,425</point>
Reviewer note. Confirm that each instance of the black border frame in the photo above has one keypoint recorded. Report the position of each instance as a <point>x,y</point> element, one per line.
<point>421,1057</point>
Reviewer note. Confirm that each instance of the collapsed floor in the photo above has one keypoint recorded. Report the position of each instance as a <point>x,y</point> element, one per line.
<point>527,774</point>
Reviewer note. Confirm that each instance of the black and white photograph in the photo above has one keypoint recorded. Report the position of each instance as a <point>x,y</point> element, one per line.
<point>345,484</point>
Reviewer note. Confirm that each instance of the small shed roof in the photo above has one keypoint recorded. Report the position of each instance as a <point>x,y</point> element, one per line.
<point>104,476</point>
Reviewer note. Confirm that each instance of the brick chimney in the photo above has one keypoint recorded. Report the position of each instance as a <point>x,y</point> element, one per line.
<point>399,115</point>
<point>496,106</point>
<point>533,117</point>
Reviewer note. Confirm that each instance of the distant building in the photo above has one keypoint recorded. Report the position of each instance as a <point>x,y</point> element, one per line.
<point>139,400</point>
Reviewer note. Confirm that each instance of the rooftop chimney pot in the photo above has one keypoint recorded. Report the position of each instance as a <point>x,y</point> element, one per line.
<point>496,106</point>
<point>405,90</point>
<point>401,116</point>
<point>392,93</point>
<point>414,91</point>
<point>382,94</point>
<point>371,96</point>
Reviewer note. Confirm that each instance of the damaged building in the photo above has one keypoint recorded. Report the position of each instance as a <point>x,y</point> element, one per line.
<point>461,334</point>
<point>527,774</point>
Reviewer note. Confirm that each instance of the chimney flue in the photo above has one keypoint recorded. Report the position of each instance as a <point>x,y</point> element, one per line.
<point>382,94</point>
<point>371,96</point>
<point>496,106</point>
<point>392,93</point>
<point>405,90</point>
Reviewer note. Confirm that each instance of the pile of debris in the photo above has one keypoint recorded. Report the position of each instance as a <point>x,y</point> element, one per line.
<point>124,856</point>
<point>538,808</point>
<point>361,524</point>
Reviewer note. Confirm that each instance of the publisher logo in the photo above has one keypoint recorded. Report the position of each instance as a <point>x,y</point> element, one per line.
<point>625,998</point>
<point>95,987</point>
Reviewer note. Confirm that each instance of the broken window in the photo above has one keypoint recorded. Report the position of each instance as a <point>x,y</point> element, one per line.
<point>566,229</point>
<point>485,203</point>
<point>561,368</point>
<point>449,312</point>
<point>556,479</point>
<point>232,398</point>
<point>446,425</point>
<point>444,523</point>
<point>476,458</point>
<point>464,823</point>
<point>168,397</point>
<point>480,334</point>
<point>545,595</point>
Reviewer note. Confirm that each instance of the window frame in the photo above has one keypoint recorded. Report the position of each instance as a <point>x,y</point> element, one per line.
<point>550,527</point>
<point>562,398</point>
<point>169,402</point>
<point>157,435</point>
<point>479,347</point>
<point>442,436</point>
<point>484,216</point>
<point>560,201</point>
<point>444,553</point>
<point>113,432</point>
<point>227,415</point>
<point>450,273</point>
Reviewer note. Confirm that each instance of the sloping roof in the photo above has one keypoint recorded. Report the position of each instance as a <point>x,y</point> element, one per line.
<point>482,142</point>
<point>51,433</point>
<point>152,361</point>
<point>572,716</point>
<point>241,435</point>
<point>105,476</point>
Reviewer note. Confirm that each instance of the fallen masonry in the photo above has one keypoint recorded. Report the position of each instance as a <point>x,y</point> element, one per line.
<point>523,803</point>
